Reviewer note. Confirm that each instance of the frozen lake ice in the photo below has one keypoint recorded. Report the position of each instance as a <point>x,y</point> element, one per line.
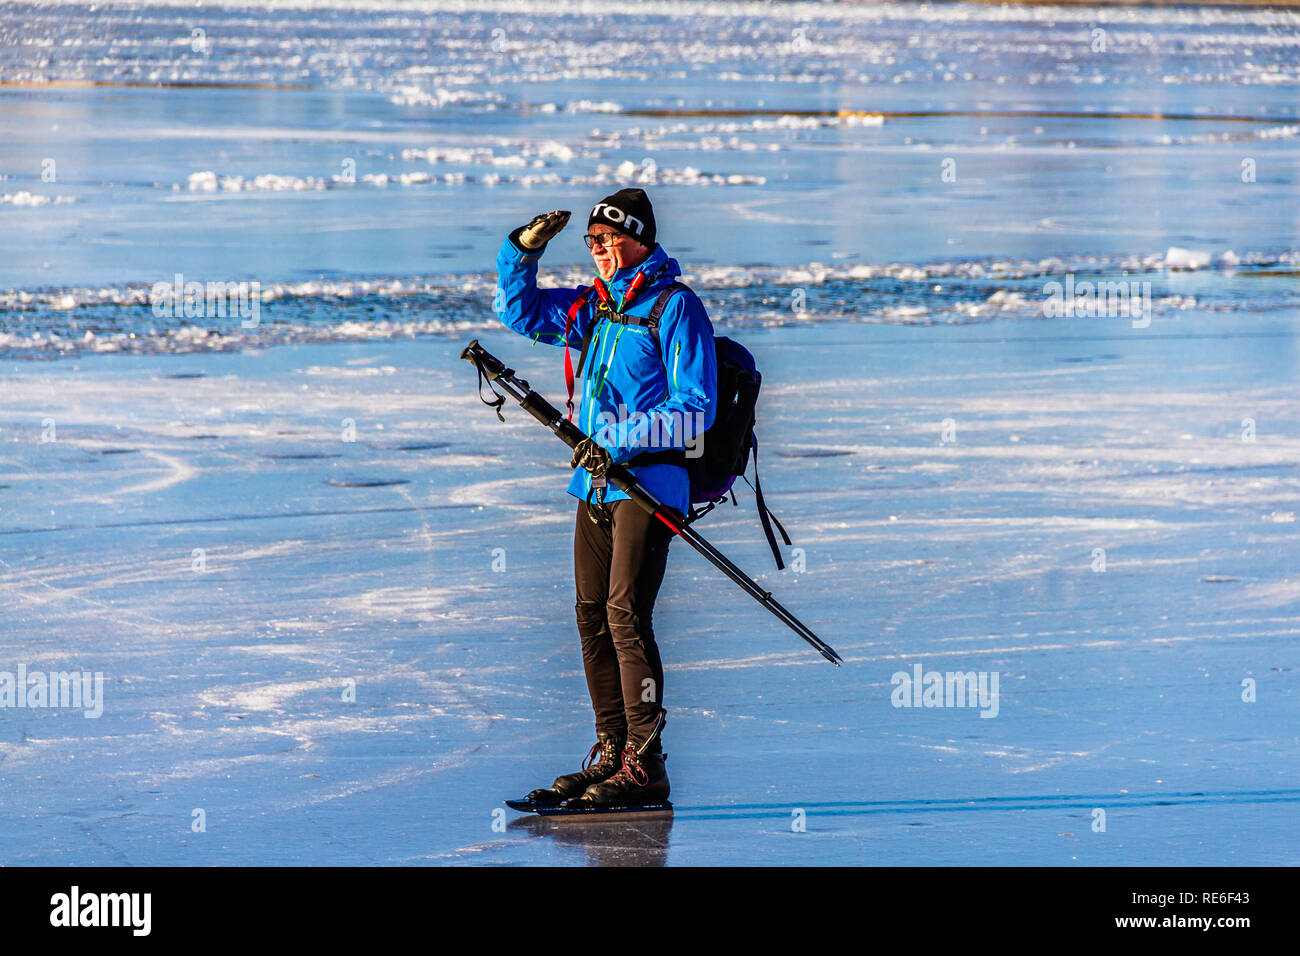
<point>330,595</point>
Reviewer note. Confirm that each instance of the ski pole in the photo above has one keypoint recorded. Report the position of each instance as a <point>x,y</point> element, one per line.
<point>491,368</point>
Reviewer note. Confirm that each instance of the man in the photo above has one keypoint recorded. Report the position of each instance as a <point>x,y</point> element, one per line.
<point>648,395</point>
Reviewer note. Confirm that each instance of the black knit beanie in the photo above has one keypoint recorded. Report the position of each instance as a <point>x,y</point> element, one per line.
<point>627,211</point>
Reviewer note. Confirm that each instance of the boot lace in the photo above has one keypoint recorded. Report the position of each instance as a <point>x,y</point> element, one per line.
<point>631,769</point>
<point>606,756</point>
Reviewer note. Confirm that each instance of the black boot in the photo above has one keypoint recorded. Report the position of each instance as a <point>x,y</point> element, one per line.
<point>641,780</point>
<point>608,747</point>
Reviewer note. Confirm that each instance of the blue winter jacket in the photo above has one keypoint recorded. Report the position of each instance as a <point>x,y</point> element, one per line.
<point>668,395</point>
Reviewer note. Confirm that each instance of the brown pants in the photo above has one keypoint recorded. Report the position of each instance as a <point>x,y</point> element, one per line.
<point>618,568</point>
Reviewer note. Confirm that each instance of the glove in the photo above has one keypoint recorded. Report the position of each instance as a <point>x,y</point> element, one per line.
<point>542,229</point>
<point>591,456</point>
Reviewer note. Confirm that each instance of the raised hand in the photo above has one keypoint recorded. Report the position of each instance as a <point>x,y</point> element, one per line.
<point>542,229</point>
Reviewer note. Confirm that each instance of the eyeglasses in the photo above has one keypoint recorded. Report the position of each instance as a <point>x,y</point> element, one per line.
<point>605,239</point>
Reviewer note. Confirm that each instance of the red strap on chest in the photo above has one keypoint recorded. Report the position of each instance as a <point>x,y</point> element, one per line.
<point>578,303</point>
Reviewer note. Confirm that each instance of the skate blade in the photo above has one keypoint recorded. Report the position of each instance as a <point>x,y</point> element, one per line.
<point>581,813</point>
<point>523,806</point>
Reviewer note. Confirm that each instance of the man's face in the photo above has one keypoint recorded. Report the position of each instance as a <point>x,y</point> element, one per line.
<point>622,251</point>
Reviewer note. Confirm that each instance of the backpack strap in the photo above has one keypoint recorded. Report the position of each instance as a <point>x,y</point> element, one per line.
<point>665,456</point>
<point>661,303</point>
<point>764,514</point>
<point>650,321</point>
